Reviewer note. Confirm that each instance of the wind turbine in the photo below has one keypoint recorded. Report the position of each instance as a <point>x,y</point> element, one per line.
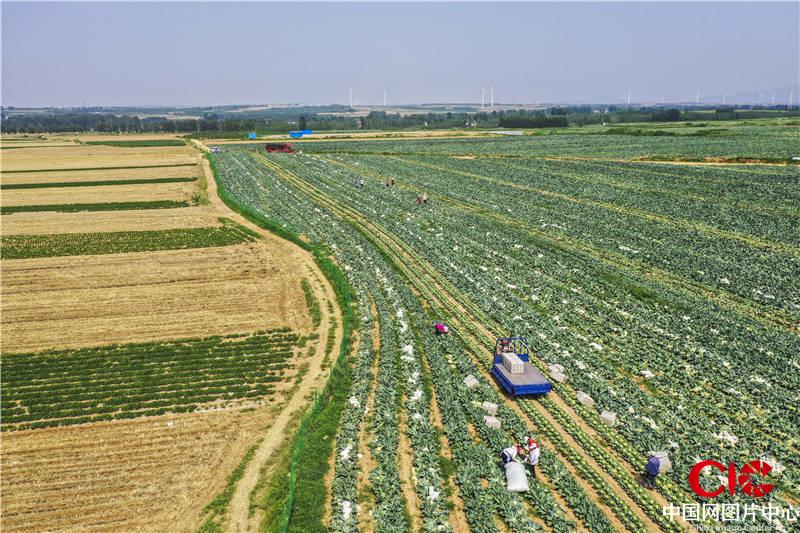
<point>697,100</point>
<point>791,94</point>
<point>351,97</point>
<point>384,98</point>
<point>724,96</point>
<point>492,100</point>
<point>629,97</point>
<point>483,95</point>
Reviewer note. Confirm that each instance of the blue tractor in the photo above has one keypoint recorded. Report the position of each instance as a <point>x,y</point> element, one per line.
<point>514,372</point>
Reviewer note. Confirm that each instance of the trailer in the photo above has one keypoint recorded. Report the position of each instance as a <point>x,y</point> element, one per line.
<point>513,370</point>
<point>279,147</point>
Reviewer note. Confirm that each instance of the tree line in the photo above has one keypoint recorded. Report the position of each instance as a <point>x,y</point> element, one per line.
<point>225,125</point>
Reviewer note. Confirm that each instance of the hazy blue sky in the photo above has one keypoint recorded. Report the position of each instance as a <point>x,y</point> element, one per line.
<point>206,53</point>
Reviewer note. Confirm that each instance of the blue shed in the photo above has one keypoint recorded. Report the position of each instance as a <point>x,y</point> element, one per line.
<point>251,135</point>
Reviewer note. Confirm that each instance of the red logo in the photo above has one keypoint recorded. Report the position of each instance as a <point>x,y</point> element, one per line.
<point>742,478</point>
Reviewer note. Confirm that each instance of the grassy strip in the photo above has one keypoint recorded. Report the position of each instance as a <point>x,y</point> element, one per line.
<point>311,303</point>
<point>302,503</point>
<point>83,169</point>
<point>61,244</point>
<point>217,510</point>
<point>140,143</point>
<point>47,185</point>
<point>112,206</point>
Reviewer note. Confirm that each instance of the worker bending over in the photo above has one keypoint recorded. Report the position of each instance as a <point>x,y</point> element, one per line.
<point>510,454</point>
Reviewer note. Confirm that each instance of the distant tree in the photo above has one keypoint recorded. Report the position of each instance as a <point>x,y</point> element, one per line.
<point>303,122</point>
<point>532,121</point>
<point>667,115</point>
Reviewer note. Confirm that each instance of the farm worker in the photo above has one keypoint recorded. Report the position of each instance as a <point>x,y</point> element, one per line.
<point>510,454</point>
<point>419,199</point>
<point>392,181</point>
<point>425,198</point>
<point>533,450</point>
<point>651,470</point>
<point>361,183</point>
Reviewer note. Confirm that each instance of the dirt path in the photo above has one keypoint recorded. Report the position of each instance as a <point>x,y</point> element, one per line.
<point>239,518</point>
<point>366,462</point>
<point>405,464</point>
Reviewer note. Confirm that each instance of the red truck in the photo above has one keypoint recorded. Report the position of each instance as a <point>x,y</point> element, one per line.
<point>279,147</point>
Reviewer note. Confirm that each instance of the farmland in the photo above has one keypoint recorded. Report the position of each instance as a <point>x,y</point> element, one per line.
<point>150,336</point>
<point>666,291</point>
<point>305,395</point>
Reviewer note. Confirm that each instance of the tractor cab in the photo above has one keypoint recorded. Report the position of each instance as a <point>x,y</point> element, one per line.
<point>513,370</point>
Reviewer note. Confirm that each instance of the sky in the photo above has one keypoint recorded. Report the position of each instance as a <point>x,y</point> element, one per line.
<point>105,54</point>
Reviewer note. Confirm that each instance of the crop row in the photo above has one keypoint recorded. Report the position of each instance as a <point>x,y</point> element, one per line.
<point>102,383</point>
<point>52,245</point>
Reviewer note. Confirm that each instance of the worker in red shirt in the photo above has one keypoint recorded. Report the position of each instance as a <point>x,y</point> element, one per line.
<point>533,449</point>
<point>419,199</point>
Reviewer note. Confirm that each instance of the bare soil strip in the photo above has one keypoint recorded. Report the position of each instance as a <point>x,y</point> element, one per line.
<point>405,463</point>
<point>181,191</point>
<point>56,176</point>
<point>366,462</point>
<point>55,157</point>
<point>49,222</point>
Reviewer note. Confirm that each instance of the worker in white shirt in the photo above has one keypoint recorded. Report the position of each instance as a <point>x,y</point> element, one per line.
<point>510,454</point>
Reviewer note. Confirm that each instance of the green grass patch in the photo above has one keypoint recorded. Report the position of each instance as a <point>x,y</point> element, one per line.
<point>311,303</point>
<point>64,387</point>
<point>55,245</point>
<point>111,206</point>
<point>139,181</point>
<point>139,144</point>
<point>84,169</point>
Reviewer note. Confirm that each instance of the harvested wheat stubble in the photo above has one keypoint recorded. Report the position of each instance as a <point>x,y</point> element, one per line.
<point>68,302</point>
<point>123,137</point>
<point>156,219</point>
<point>147,474</point>
<point>56,176</point>
<point>56,157</point>
<point>96,195</point>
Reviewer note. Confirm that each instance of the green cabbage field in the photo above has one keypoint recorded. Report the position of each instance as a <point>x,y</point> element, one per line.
<point>667,292</point>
